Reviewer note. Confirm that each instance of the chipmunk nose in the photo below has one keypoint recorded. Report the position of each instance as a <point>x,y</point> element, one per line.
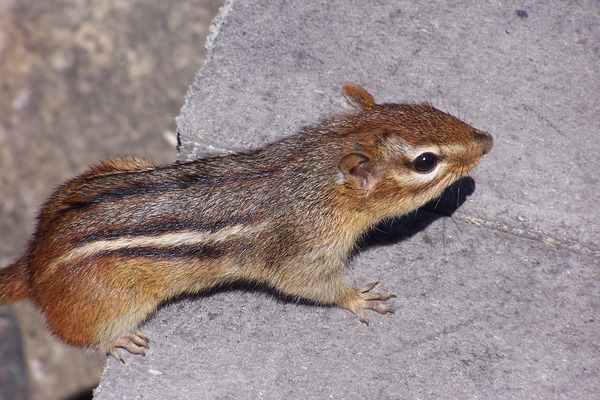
<point>485,140</point>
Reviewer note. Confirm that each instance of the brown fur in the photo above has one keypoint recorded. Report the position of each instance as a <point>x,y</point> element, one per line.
<point>14,282</point>
<point>125,236</point>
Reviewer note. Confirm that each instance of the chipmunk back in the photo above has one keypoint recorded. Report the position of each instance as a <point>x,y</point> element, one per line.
<point>114,243</point>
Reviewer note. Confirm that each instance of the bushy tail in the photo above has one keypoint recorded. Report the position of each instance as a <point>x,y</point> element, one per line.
<point>14,282</point>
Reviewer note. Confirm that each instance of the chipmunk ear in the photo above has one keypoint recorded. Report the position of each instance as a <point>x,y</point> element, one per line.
<point>357,96</point>
<point>356,166</point>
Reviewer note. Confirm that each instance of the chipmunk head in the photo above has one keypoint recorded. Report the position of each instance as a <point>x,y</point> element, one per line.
<point>405,154</point>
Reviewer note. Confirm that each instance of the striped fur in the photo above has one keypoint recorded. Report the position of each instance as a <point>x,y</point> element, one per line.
<point>125,236</point>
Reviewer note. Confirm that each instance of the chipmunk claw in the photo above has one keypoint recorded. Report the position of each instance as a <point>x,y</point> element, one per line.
<point>370,300</point>
<point>135,343</point>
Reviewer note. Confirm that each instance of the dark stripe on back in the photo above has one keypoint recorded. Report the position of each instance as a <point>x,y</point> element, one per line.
<point>166,253</point>
<point>134,189</point>
<point>144,185</point>
<point>163,227</point>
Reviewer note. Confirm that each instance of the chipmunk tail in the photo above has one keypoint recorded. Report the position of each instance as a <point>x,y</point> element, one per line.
<point>14,282</point>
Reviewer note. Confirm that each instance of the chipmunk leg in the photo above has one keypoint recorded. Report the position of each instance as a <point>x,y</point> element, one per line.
<point>334,291</point>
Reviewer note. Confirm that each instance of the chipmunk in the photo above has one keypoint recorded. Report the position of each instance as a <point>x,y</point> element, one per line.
<point>117,241</point>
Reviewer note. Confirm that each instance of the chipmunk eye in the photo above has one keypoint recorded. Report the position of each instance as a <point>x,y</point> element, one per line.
<point>425,163</point>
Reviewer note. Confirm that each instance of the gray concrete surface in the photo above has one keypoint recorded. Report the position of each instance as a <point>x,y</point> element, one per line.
<point>499,301</point>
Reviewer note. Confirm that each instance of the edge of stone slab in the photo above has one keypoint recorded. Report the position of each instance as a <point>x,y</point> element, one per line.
<point>214,31</point>
<point>215,27</point>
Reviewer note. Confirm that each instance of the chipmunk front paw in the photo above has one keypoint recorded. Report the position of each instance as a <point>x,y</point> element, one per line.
<point>365,299</point>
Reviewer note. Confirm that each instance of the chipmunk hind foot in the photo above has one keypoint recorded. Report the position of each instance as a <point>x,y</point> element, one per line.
<point>135,343</point>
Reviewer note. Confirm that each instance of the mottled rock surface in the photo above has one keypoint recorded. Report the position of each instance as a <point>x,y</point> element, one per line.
<point>79,82</point>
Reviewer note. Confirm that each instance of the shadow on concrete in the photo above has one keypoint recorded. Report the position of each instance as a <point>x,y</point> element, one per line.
<point>404,227</point>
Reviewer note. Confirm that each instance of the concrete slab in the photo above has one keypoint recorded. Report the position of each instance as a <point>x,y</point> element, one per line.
<point>501,300</point>
<point>480,315</point>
